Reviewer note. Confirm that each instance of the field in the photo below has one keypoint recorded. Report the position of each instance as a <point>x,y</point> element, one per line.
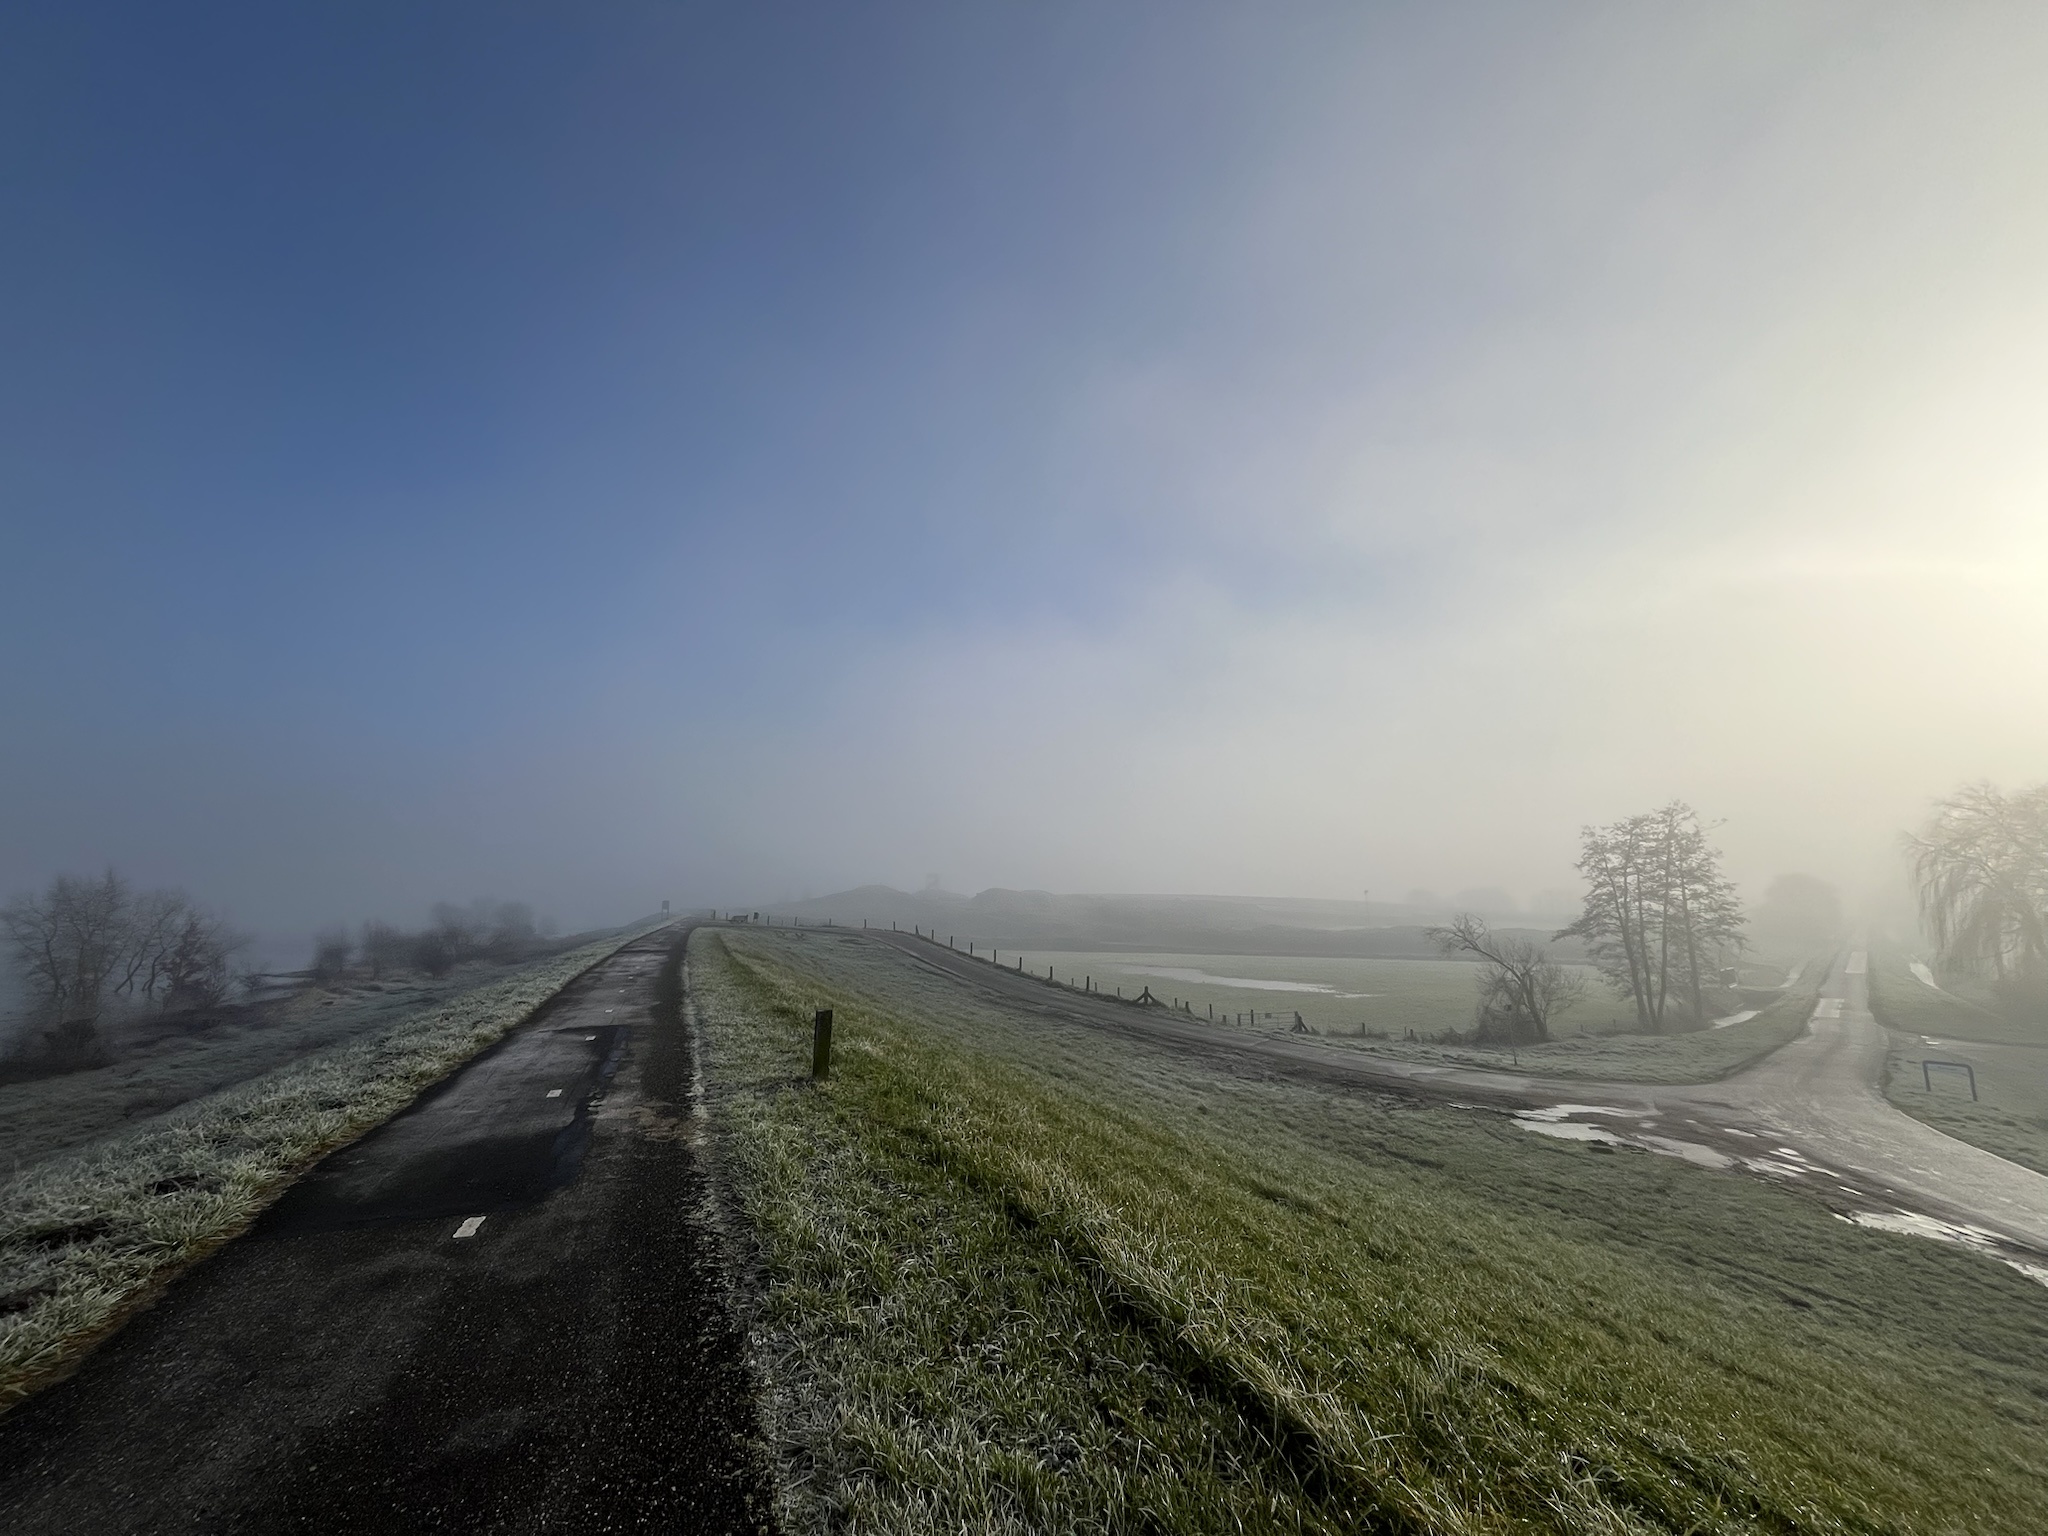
<point>1333,997</point>
<point>1024,1276</point>
<point>89,1234</point>
<point>1376,1005</point>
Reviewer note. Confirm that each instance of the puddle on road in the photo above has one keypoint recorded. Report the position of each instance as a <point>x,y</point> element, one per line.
<point>1555,1112</point>
<point>1556,1121</point>
<point>1691,1151</point>
<point>1572,1130</point>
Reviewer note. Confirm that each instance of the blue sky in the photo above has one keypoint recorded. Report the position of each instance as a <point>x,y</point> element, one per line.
<point>593,454</point>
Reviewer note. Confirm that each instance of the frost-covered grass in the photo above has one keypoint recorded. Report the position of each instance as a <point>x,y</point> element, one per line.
<point>161,1063</point>
<point>1017,1275</point>
<point>88,1235</point>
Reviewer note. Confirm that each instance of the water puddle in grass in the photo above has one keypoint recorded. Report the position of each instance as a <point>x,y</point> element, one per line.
<point>1572,1130</point>
<point>1250,983</point>
<point>1556,1121</point>
<point>1974,1238</point>
<point>1737,1018</point>
<point>1691,1151</point>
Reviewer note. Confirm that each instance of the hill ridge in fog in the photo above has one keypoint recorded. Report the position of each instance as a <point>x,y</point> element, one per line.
<point>1047,920</point>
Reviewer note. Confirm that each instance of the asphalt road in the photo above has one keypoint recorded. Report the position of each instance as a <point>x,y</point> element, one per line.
<point>1816,1098</point>
<point>1820,1093</point>
<point>373,1357</point>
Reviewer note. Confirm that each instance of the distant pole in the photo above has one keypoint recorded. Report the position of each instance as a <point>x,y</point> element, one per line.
<point>821,1044</point>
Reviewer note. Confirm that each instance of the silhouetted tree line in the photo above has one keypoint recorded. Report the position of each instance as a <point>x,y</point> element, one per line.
<point>484,930</point>
<point>85,948</point>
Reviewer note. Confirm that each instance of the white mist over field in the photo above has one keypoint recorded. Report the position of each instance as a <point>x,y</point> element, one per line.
<point>1309,453</point>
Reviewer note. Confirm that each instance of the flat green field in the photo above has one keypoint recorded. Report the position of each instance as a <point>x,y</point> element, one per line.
<point>1020,1275</point>
<point>1375,1004</point>
<point>1334,997</point>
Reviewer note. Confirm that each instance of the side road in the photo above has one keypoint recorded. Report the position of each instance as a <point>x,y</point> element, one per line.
<point>1817,1096</point>
<point>500,1312</point>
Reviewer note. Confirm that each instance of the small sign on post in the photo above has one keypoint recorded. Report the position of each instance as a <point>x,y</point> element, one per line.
<point>821,1045</point>
<point>1927,1074</point>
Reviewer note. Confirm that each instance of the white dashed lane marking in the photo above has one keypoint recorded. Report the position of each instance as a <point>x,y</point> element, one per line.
<point>554,1093</point>
<point>469,1226</point>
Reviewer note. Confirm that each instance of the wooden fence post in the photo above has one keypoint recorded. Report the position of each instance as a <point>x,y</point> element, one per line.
<point>821,1045</point>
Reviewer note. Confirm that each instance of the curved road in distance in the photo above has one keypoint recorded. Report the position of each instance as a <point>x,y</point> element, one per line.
<point>1815,1097</point>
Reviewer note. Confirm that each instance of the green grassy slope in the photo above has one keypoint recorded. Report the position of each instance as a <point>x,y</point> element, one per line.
<point>1017,1276</point>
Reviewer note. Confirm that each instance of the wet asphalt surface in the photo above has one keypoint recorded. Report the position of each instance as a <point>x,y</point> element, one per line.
<point>353,1365</point>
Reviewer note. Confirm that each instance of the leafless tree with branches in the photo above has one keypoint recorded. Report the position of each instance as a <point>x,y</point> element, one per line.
<point>1659,916</point>
<point>1521,984</point>
<point>1980,870</point>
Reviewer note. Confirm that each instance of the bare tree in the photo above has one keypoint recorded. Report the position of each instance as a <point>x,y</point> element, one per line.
<point>383,948</point>
<point>1521,984</point>
<point>1980,870</point>
<point>194,966</point>
<point>1659,915</point>
<point>86,946</point>
<point>67,945</point>
<point>331,951</point>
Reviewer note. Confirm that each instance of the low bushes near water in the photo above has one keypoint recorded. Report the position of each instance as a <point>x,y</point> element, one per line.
<point>88,1235</point>
<point>1015,1277</point>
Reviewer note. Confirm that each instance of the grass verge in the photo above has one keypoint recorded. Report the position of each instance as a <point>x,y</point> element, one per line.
<point>1020,1276</point>
<point>2010,1115</point>
<point>87,1237</point>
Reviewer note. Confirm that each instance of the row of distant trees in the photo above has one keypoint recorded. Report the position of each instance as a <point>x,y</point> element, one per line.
<point>483,930</point>
<point>81,948</point>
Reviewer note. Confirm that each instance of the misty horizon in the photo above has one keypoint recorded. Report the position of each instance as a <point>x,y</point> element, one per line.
<point>649,460</point>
